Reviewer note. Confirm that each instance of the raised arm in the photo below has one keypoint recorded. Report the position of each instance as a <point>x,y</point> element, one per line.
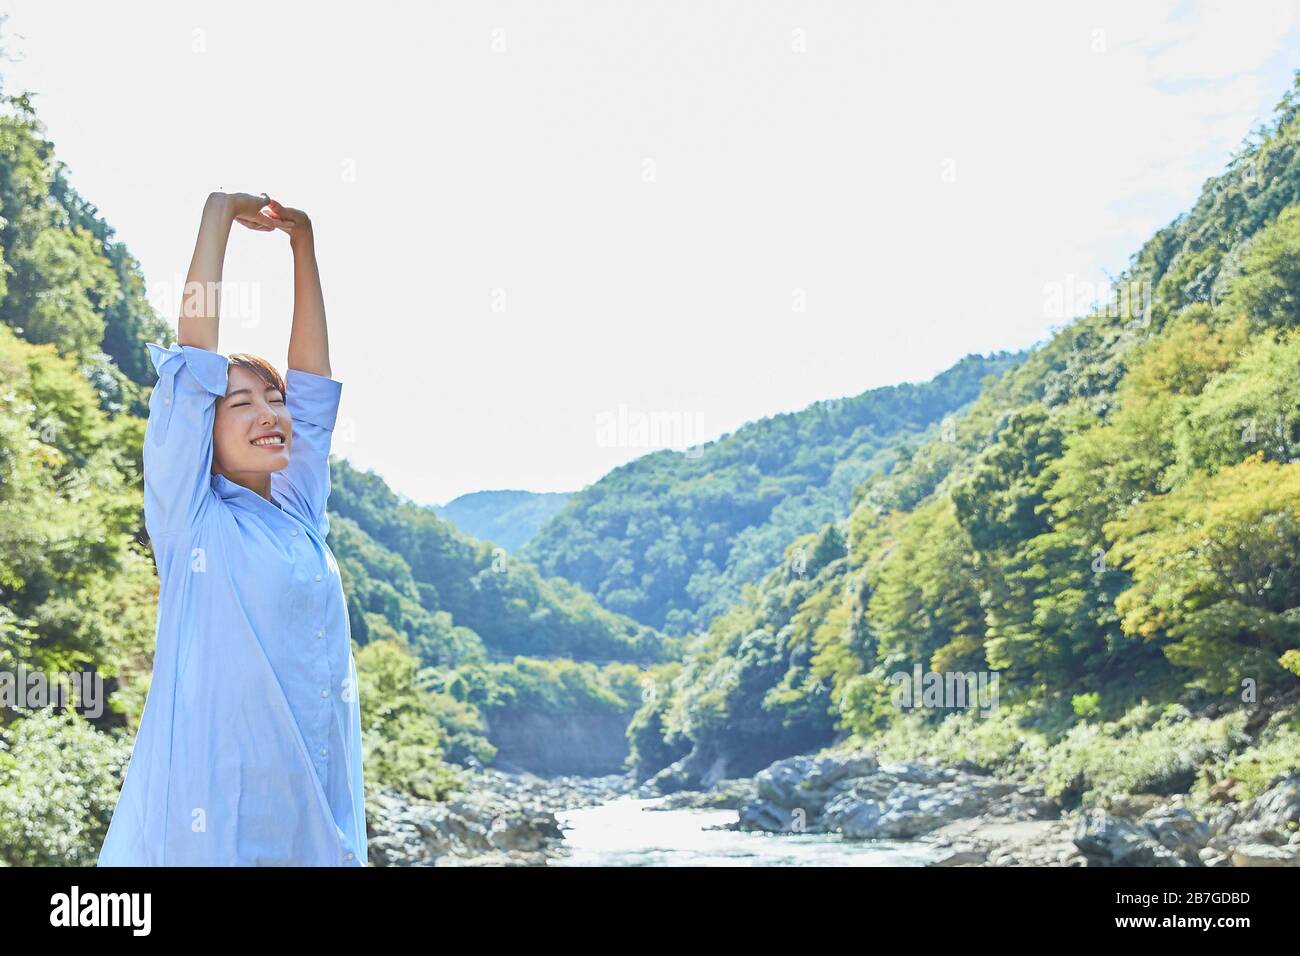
<point>201,303</point>
<point>312,395</point>
<point>309,347</point>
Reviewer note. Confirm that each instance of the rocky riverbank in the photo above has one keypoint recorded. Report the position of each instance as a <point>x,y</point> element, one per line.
<point>968,818</point>
<point>972,819</point>
<point>499,819</point>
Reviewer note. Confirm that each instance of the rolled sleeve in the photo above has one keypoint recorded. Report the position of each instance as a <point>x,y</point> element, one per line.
<point>313,402</point>
<point>178,435</point>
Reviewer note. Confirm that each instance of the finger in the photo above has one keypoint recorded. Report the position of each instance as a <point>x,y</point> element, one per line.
<point>285,212</point>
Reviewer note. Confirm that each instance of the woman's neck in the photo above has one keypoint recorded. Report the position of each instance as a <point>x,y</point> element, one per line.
<point>258,481</point>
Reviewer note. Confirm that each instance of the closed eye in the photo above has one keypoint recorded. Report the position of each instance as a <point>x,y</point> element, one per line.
<point>278,399</point>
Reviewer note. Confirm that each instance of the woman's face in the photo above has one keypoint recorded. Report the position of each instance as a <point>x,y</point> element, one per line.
<point>250,410</point>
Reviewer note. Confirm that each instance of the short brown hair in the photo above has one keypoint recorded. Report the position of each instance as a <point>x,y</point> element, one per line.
<point>261,368</point>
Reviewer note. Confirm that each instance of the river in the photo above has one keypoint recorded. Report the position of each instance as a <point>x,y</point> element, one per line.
<point>622,832</point>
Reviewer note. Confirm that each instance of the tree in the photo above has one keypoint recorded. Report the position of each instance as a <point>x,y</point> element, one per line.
<point>1215,578</point>
<point>925,607</point>
<point>1267,291</point>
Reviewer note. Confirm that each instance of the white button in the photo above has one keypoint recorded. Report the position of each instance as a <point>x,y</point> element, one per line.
<point>324,693</point>
<point>323,751</point>
<point>319,633</point>
<point>349,856</point>
<point>318,577</point>
<point>293,533</point>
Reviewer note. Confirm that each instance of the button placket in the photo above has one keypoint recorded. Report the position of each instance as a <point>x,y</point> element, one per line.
<point>306,609</point>
<point>303,551</point>
<point>318,604</point>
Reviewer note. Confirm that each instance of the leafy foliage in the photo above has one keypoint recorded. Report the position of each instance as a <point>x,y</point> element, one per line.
<point>1215,574</point>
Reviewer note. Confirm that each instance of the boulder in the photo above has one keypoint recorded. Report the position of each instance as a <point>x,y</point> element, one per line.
<point>1107,840</point>
<point>1263,854</point>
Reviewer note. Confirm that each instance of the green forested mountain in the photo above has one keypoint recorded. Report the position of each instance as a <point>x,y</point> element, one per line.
<point>670,538</point>
<point>500,605</point>
<point>1113,528</point>
<point>507,518</point>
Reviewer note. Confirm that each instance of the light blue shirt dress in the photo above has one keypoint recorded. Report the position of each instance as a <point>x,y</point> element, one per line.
<point>249,747</point>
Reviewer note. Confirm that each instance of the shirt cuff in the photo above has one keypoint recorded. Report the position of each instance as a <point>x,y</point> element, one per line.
<point>312,398</point>
<point>210,369</point>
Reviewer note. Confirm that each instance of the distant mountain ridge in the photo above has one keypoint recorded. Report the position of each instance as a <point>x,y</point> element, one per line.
<point>509,518</point>
<point>454,598</point>
<point>670,539</point>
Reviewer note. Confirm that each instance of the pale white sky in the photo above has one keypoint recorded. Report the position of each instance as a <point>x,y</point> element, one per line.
<point>531,216</point>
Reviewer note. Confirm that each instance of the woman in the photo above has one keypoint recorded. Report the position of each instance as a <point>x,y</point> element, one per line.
<point>249,748</point>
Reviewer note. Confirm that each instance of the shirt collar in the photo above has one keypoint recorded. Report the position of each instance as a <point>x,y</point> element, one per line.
<point>230,490</point>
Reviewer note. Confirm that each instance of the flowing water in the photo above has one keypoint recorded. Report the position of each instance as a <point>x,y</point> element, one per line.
<point>622,832</point>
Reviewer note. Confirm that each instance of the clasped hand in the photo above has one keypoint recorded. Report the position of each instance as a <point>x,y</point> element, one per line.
<point>264,214</point>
